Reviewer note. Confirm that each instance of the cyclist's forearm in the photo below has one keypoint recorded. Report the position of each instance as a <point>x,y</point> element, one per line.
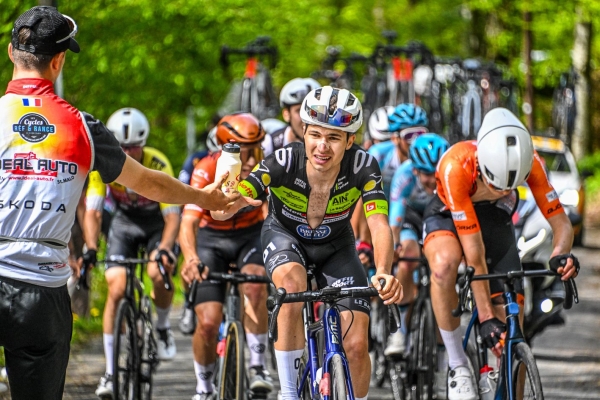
<point>169,231</point>
<point>474,251</point>
<point>382,242</point>
<point>187,237</point>
<point>91,228</point>
<point>563,234</point>
<point>396,234</point>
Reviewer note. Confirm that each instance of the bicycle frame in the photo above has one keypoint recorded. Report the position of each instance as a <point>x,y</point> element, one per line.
<point>331,325</point>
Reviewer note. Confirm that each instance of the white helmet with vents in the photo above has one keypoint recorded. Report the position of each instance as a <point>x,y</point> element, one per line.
<point>504,150</point>
<point>379,124</point>
<point>294,91</point>
<point>130,126</point>
<point>332,108</point>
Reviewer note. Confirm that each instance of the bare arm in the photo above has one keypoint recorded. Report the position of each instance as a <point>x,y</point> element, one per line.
<point>92,221</point>
<point>383,253</point>
<point>474,251</point>
<point>563,242</point>
<point>187,240</point>
<point>161,187</point>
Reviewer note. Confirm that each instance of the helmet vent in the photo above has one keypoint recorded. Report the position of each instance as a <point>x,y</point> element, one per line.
<point>333,101</point>
<point>511,141</point>
<point>318,94</point>
<point>489,174</point>
<point>512,175</point>
<point>351,100</point>
<point>126,131</point>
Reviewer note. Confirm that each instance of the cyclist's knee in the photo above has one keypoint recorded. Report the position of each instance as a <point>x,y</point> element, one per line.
<point>256,293</point>
<point>444,271</point>
<point>209,322</point>
<point>357,347</point>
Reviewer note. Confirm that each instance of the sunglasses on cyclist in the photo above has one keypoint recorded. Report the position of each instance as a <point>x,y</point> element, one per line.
<point>73,27</point>
<point>410,134</point>
<point>255,151</point>
<point>131,148</point>
<point>320,113</point>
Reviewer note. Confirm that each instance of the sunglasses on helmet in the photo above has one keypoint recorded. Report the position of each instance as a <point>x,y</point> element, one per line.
<point>320,113</point>
<point>73,27</point>
<point>410,134</point>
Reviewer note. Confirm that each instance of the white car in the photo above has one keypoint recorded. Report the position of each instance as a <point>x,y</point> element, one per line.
<point>564,176</point>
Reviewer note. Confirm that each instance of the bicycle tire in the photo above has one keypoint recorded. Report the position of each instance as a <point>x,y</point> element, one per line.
<point>379,368</point>
<point>398,380</point>
<point>338,378</point>
<point>148,353</point>
<point>424,350</point>
<point>232,375</point>
<point>125,353</point>
<point>523,357</point>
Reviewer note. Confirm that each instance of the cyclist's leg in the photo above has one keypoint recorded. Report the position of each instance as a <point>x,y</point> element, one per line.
<point>285,266</point>
<point>342,267</point>
<point>123,240</point>
<point>208,306</point>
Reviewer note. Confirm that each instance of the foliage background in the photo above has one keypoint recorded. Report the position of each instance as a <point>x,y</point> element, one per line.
<point>162,57</point>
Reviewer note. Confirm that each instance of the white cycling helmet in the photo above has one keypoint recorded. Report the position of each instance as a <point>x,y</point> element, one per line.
<point>211,140</point>
<point>294,91</point>
<point>130,126</point>
<point>504,149</point>
<point>379,124</point>
<point>271,125</point>
<point>332,108</point>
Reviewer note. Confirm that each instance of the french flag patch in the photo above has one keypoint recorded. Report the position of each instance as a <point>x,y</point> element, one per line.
<point>31,102</point>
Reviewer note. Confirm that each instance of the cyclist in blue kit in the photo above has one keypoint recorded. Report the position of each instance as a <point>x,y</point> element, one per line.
<point>314,187</point>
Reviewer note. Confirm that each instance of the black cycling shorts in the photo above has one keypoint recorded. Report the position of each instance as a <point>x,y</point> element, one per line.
<point>220,248</point>
<point>497,230</point>
<point>128,233</point>
<point>336,261</point>
<point>413,221</point>
<point>35,329</point>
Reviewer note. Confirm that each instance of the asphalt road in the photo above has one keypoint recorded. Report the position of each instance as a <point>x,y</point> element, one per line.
<point>568,357</point>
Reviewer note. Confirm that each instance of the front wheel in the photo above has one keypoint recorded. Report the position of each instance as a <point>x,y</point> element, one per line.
<point>338,378</point>
<point>424,349</point>
<point>232,376</point>
<point>148,356</point>
<point>305,390</point>
<point>525,374</point>
<point>125,353</point>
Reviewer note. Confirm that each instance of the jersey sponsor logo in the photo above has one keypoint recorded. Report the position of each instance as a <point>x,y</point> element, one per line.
<point>277,260</point>
<point>266,179</point>
<point>362,303</point>
<point>343,201</point>
<point>551,196</point>
<point>300,182</point>
<point>32,102</point>
<point>331,218</point>
<point>552,209</point>
<point>157,164</point>
<point>320,232</point>
<point>51,266</point>
<point>466,227</point>
<point>376,207</point>
<point>294,200</point>
<point>299,252</point>
<point>341,183</point>
<point>369,185</point>
<point>202,174</point>
<point>31,205</point>
<point>270,247</point>
<point>459,216</point>
<point>33,128</point>
<point>246,189</point>
<point>292,216</point>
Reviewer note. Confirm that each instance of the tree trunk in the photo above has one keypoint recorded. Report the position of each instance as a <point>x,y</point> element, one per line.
<point>527,46</point>
<point>580,143</point>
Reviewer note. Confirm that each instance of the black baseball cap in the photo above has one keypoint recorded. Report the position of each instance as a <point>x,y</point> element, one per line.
<point>51,31</point>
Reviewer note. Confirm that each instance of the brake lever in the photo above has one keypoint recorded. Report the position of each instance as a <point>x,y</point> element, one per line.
<point>163,270</point>
<point>273,306</point>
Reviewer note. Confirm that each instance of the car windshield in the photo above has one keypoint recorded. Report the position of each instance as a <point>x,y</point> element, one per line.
<point>555,161</point>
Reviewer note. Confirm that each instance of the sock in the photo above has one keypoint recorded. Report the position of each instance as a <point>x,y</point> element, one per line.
<point>403,312</point>
<point>362,398</point>
<point>108,339</point>
<point>204,376</point>
<point>162,318</point>
<point>287,367</point>
<point>257,343</point>
<point>453,342</point>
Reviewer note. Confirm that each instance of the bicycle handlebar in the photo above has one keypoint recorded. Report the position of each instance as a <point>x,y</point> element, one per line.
<point>469,276</point>
<point>132,262</point>
<point>258,47</point>
<point>328,294</point>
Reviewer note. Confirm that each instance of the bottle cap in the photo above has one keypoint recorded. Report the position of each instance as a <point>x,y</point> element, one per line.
<point>231,148</point>
<point>485,368</point>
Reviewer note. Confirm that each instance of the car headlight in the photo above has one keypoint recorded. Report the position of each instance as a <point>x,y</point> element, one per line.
<point>569,197</point>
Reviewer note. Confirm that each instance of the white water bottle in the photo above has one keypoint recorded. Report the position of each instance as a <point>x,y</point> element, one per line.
<point>229,161</point>
<point>487,383</point>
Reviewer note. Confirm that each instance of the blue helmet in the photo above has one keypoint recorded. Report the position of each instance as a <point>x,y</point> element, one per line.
<point>407,115</point>
<point>426,150</point>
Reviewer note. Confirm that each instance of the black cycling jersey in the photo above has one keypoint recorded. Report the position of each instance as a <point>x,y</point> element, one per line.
<point>278,137</point>
<point>284,173</point>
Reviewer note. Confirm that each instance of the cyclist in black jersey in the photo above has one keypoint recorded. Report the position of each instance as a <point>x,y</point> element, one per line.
<point>313,190</point>
<point>290,98</point>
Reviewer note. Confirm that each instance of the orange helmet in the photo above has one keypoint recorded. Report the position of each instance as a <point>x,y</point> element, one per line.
<point>242,128</point>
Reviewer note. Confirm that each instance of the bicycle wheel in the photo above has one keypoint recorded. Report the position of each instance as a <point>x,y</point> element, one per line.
<point>524,363</point>
<point>232,376</point>
<point>338,378</point>
<point>148,352</point>
<point>424,349</point>
<point>379,334</point>
<point>125,353</point>
<point>398,380</point>
<point>305,391</point>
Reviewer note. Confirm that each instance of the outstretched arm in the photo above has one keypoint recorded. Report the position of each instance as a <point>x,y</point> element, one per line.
<point>383,246</point>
